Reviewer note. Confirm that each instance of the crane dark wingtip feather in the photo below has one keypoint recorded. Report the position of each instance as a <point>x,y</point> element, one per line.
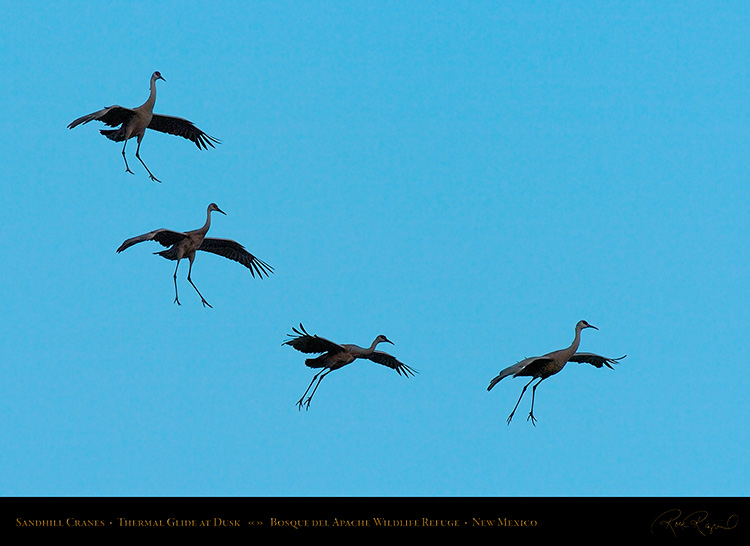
<point>614,361</point>
<point>123,246</point>
<point>203,141</point>
<point>261,268</point>
<point>296,335</point>
<point>407,371</point>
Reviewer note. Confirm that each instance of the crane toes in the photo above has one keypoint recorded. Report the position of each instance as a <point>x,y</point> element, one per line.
<point>154,178</point>
<point>206,304</point>
<point>532,418</point>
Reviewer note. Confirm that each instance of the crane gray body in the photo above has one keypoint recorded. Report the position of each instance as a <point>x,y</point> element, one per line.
<point>542,367</point>
<point>335,356</point>
<point>185,244</point>
<point>133,122</point>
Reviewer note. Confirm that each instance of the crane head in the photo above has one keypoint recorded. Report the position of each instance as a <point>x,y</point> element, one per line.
<point>214,206</point>
<point>157,76</point>
<point>583,324</point>
<point>382,339</point>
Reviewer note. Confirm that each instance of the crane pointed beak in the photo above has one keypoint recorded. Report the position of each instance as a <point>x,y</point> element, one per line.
<point>592,326</point>
<point>221,211</point>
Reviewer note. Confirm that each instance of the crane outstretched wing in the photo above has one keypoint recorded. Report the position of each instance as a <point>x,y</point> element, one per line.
<point>111,115</point>
<point>306,343</point>
<point>235,251</point>
<point>184,128</point>
<point>165,237</point>
<point>596,360</point>
<point>527,366</point>
<point>387,360</point>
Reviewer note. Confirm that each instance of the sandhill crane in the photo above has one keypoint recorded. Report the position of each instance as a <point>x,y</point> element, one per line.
<point>184,245</point>
<point>337,356</point>
<point>133,122</point>
<point>541,367</point>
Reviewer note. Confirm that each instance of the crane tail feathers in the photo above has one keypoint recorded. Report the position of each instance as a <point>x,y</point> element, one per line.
<point>117,135</point>
<point>317,362</point>
<point>169,254</point>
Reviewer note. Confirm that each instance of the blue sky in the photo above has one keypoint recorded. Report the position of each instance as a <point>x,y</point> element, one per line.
<point>469,179</point>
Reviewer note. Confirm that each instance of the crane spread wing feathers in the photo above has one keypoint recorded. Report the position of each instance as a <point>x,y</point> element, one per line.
<point>182,127</point>
<point>540,368</point>
<point>111,115</point>
<point>527,366</point>
<point>306,343</point>
<point>387,360</point>
<point>165,237</point>
<point>235,251</point>
<point>333,356</point>
<point>115,116</point>
<point>596,360</point>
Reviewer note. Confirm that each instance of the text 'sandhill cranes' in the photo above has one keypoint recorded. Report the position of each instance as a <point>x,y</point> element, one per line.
<point>184,245</point>
<point>337,356</point>
<point>542,367</point>
<point>133,122</point>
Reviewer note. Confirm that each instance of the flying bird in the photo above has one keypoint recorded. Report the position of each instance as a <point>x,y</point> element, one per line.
<point>133,122</point>
<point>542,367</point>
<point>335,356</point>
<point>183,245</point>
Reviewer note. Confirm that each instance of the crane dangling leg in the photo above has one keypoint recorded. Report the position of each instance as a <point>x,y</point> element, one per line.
<point>531,413</point>
<point>519,400</point>
<point>319,376</point>
<point>176,299</point>
<point>299,403</point>
<point>190,269</point>
<point>309,398</point>
<point>127,169</point>
<point>137,154</point>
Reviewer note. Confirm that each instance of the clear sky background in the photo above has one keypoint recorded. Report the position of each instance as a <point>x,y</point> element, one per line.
<point>468,178</point>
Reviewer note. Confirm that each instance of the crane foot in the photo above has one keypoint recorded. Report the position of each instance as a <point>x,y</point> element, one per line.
<point>532,418</point>
<point>206,304</point>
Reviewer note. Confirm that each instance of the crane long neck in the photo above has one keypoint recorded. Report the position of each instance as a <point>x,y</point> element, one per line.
<point>152,95</point>
<point>576,341</point>
<point>369,350</point>
<point>207,225</point>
